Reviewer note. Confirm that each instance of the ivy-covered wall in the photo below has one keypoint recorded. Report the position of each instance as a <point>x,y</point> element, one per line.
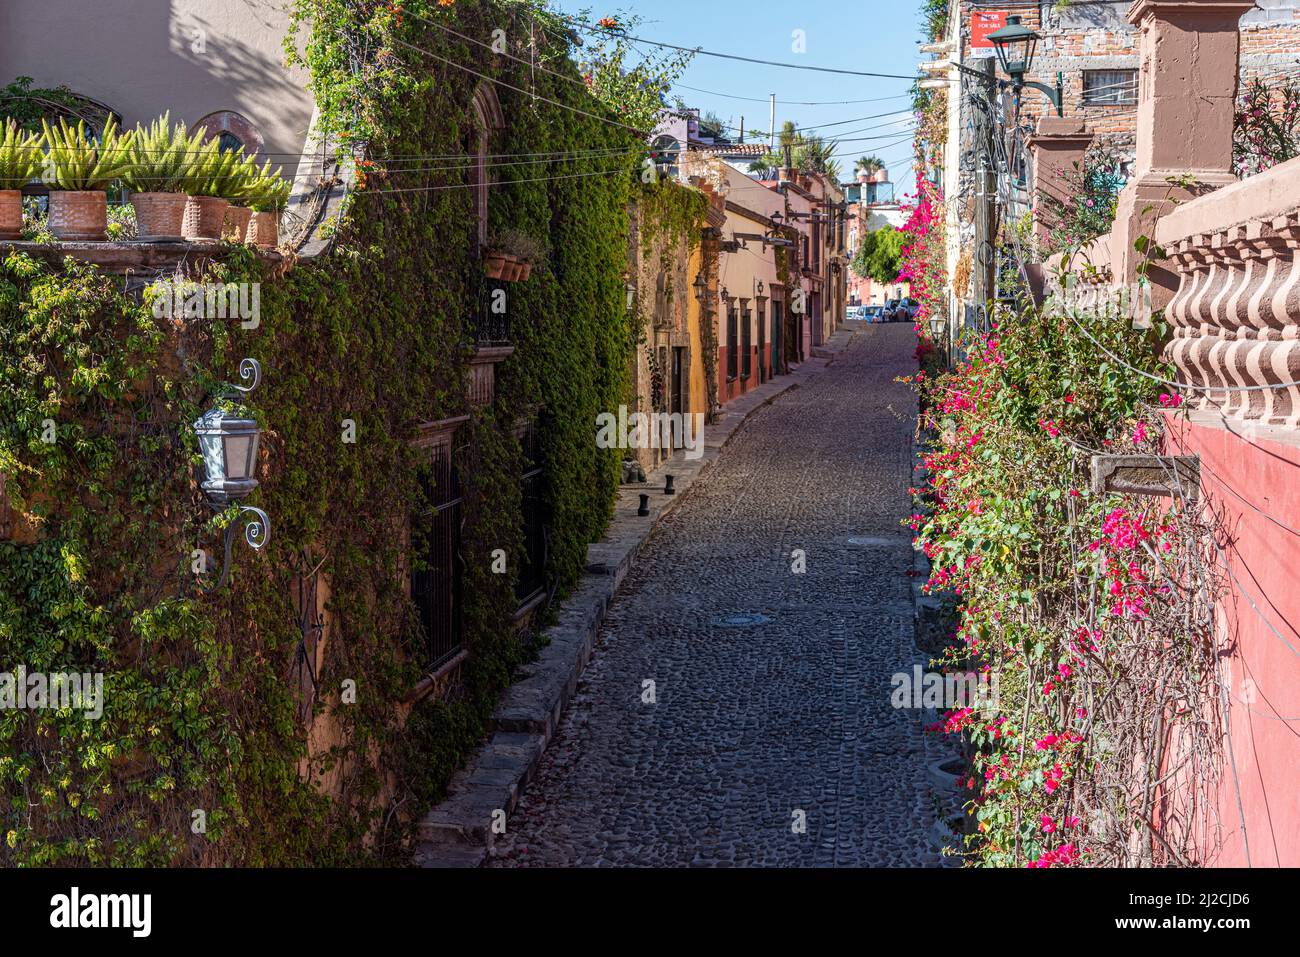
<point>200,723</point>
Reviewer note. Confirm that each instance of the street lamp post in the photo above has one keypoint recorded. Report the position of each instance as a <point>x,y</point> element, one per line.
<point>1015,45</point>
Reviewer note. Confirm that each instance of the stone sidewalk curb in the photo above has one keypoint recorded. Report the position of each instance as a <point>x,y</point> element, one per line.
<point>458,832</point>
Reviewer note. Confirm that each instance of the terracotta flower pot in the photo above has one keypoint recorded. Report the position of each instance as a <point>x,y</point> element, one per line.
<point>237,218</point>
<point>494,265</point>
<point>159,217</point>
<point>204,218</point>
<point>264,229</point>
<point>80,214</point>
<point>526,271</point>
<point>11,213</point>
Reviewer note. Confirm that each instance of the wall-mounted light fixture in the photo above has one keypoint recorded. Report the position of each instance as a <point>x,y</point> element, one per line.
<point>229,443</point>
<point>1015,45</point>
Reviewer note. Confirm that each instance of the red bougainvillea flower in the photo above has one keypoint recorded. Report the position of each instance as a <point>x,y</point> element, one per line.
<point>1170,401</point>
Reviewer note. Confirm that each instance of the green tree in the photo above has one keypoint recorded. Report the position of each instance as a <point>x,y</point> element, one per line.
<point>868,164</point>
<point>879,254</point>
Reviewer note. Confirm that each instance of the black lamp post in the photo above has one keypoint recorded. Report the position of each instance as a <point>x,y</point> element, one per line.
<point>1015,45</point>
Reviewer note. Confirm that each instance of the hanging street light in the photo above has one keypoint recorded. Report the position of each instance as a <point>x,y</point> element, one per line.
<point>229,443</point>
<point>1016,45</point>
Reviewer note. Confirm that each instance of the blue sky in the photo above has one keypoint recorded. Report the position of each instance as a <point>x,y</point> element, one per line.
<point>873,36</point>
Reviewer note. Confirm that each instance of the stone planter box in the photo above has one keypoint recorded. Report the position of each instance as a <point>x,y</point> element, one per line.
<point>11,213</point>
<point>264,229</point>
<point>237,220</point>
<point>159,217</point>
<point>205,216</point>
<point>79,215</point>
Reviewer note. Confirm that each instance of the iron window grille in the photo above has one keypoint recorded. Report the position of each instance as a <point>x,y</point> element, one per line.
<point>746,345</point>
<point>532,567</point>
<point>437,568</point>
<point>731,342</point>
<point>1109,87</point>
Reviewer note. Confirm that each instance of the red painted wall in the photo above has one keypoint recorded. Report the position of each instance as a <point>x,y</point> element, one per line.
<point>1245,479</point>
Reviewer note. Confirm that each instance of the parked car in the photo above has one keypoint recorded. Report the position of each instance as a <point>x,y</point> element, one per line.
<point>890,310</point>
<point>907,310</point>
<point>853,312</point>
<point>873,313</point>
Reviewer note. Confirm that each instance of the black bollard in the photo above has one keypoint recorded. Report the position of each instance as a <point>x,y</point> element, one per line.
<point>668,487</point>
<point>645,505</point>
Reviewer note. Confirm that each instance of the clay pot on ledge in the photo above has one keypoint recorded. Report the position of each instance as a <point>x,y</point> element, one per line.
<point>11,214</point>
<point>159,217</point>
<point>79,215</point>
<point>494,265</point>
<point>205,216</point>
<point>264,229</point>
<point>236,227</point>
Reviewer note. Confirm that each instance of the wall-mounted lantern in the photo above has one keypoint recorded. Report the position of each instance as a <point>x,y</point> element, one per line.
<point>701,286</point>
<point>629,289</point>
<point>229,444</point>
<point>1015,45</point>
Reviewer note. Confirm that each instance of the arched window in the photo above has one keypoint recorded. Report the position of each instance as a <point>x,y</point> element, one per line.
<point>232,130</point>
<point>488,120</point>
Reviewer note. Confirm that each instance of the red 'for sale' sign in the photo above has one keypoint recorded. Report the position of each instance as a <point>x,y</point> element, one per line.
<point>982,23</point>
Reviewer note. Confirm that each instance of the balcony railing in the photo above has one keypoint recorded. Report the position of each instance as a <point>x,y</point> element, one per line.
<point>490,321</point>
<point>1236,314</point>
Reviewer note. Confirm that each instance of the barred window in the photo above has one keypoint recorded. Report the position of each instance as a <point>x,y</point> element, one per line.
<point>1109,87</point>
<point>746,344</point>
<point>731,342</point>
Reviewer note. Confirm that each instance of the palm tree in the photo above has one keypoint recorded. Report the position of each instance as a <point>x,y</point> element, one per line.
<point>815,155</point>
<point>868,164</point>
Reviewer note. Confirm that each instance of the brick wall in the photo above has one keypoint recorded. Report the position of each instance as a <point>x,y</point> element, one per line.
<point>1098,36</point>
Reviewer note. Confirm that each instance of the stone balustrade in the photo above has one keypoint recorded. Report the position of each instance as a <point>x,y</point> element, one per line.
<point>1236,313</point>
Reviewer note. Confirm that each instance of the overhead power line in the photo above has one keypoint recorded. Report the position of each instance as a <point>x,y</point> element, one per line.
<point>700,51</point>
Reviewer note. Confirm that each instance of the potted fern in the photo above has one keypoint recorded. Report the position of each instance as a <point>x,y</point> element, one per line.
<point>161,156</point>
<point>21,157</point>
<point>78,172</point>
<point>239,212</point>
<point>267,196</point>
<point>213,177</point>
<point>512,255</point>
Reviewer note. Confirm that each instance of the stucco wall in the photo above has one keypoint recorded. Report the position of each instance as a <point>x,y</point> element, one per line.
<point>144,57</point>
<point>1250,483</point>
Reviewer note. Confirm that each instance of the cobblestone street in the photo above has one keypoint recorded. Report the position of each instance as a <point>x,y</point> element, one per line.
<point>755,727</point>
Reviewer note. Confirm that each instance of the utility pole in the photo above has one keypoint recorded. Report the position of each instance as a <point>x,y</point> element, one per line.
<point>771,136</point>
<point>986,214</point>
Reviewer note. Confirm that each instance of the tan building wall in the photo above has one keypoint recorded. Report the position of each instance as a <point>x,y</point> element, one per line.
<point>145,57</point>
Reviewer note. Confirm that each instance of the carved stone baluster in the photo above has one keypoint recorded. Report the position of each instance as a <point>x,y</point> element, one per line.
<point>1279,359</point>
<point>1201,315</point>
<point>1192,271</point>
<point>1247,244</point>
